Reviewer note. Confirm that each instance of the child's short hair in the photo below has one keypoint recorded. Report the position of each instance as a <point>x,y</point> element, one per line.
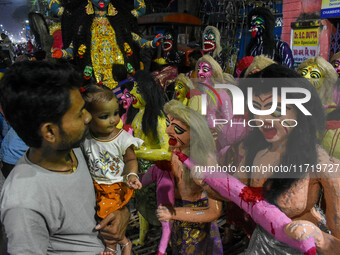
<point>97,94</point>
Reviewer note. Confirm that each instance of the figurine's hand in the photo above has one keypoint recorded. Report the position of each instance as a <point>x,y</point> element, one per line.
<point>302,230</point>
<point>163,213</point>
<point>134,183</point>
<point>157,40</point>
<point>195,172</point>
<point>57,53</point>
<point>182,157</point>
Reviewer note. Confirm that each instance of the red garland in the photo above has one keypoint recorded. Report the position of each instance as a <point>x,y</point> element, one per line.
<point>127,127</point>
<point>251,194</point>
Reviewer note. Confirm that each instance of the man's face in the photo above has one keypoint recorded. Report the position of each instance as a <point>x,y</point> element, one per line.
<point>74,123</point>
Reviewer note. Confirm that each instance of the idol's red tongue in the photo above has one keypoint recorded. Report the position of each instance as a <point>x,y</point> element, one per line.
<point>172,141</point>
<point>253,33</point>
<point>207,47</point>
<point>101,4</point>
<point>269,133</point>
<point>134,101</point>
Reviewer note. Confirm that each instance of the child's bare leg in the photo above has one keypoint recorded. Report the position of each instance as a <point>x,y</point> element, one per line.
<point>111,249</point>
<point>107,253</point>
<point>126,246</point>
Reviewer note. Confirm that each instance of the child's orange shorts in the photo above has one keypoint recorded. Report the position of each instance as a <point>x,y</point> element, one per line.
<point>111,197</point>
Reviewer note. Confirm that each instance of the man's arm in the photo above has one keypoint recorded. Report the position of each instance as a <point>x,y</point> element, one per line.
<point>26,231</point>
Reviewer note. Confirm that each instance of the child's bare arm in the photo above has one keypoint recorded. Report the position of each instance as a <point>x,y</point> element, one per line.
<point>131,169</point>
<point>130,161</point>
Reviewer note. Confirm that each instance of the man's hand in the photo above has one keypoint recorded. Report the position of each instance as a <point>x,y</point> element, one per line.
<point>113,227</point>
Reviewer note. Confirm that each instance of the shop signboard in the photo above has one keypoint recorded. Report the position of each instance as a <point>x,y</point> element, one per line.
<point>330,9</point>
<point>305,44</point>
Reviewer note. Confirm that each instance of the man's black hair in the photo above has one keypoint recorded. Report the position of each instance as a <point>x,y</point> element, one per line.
<point>33,93</point>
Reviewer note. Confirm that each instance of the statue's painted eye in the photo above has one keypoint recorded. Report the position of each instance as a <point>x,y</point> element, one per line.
<point>277,113</point>
<point>304,72</point>
<point>315,75</point>
<point>167,122</point>
<point>178,130</point>
<point>211,36</point>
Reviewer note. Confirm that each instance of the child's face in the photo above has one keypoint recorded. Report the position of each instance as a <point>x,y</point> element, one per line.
<point>105,117</point>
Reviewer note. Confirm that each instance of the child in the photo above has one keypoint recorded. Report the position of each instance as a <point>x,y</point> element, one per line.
<point>110,156</point>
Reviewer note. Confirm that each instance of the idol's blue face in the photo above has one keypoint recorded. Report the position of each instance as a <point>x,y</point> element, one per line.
<point>100,5</point>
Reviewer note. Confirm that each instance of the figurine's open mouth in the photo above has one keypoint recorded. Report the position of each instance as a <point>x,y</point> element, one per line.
<point>209,46</point>
<point>268,131</point>
<point>167,45</point>
<point>101,4</point>
<point>254,31</point>
<point>134,100</point>
<point>172,141</point>
<point>125,104</point>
